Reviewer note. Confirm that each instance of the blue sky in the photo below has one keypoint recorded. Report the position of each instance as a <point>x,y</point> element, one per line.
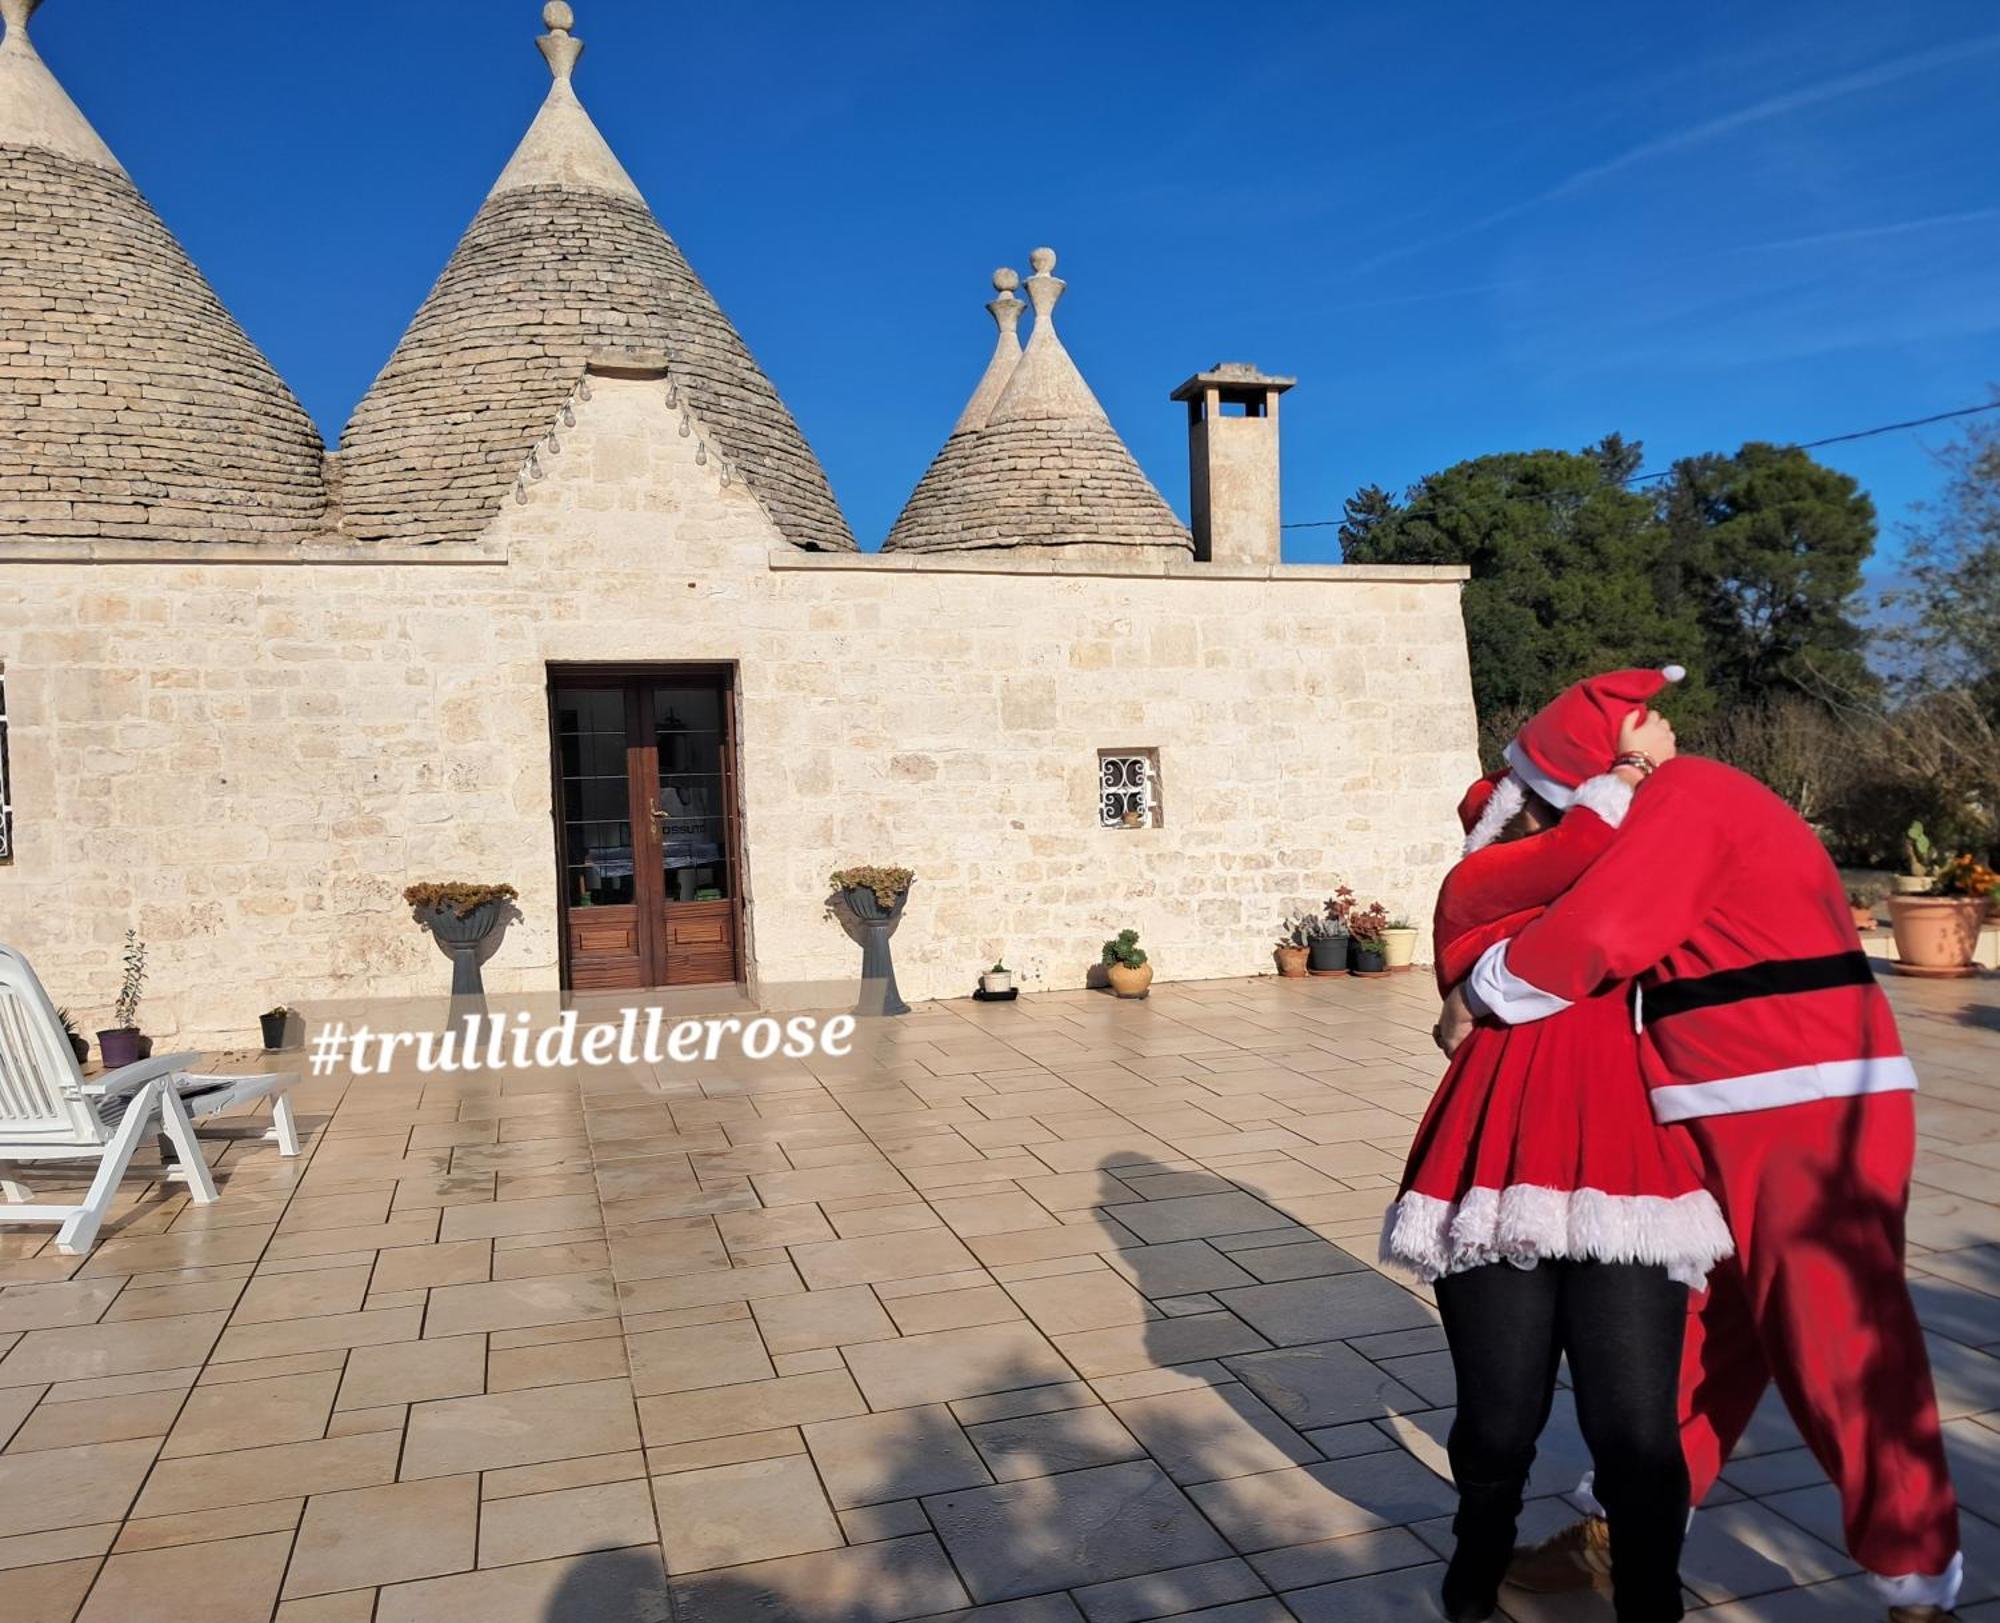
<point>1463,228</point>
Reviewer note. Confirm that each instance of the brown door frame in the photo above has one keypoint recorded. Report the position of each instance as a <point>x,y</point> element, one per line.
<point>646,851</point>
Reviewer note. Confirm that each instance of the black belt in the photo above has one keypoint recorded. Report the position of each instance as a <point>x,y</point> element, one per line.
<point>1778,977</point>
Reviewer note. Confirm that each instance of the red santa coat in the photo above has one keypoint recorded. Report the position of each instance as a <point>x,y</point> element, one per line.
<point>1539,1142</point>
<point>1756,992</point>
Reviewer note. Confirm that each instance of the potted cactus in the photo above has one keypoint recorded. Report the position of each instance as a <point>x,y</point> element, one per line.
<point>79,1044</point>
<point>997,981</point>
<point>1125,965</point>
<point>1920,857</point>
<point>123,1043</point>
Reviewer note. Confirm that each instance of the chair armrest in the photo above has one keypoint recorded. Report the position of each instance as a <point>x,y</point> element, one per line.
<point>130,1078</point>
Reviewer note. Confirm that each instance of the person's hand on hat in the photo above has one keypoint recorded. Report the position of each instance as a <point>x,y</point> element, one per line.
<point>1645,736</point>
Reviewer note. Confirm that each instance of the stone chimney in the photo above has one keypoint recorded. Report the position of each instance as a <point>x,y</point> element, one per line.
<point>1233,462</point>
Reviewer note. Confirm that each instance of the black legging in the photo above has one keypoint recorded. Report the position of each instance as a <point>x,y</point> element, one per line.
<point>1621,1325</point>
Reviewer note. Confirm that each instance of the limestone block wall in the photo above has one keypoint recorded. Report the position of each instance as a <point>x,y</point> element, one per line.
<point>248,757</point>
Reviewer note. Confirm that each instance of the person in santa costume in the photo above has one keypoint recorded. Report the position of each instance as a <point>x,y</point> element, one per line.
<point>1768,1044</point>
<point>1554,1216</point>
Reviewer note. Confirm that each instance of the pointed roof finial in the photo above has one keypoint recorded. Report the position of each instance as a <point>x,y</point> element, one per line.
<point>1044,288</point>
<point>559,47</point>
<point>17,13</point>
<point>1005,308</point>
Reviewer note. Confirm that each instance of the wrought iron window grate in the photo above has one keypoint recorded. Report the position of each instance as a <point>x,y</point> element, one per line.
<point>1128,789</point>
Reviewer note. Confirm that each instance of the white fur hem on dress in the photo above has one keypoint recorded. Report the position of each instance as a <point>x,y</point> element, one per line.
<point>1525,1222</point>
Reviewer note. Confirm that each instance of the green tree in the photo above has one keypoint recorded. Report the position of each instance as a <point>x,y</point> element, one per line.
<point>1766,551</point>
<point>1360,514</point>
<point>1565,563</point>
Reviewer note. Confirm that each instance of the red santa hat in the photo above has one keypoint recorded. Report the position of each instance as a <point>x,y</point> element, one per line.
<point>1574,736</point>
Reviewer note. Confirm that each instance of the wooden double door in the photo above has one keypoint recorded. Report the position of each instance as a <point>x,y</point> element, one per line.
<point>648,833</point>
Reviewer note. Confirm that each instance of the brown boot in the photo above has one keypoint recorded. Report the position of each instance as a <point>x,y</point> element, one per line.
<point>1577,1557</point>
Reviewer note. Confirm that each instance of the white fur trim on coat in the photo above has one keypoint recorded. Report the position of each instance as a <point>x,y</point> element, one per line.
<point>1524,1222</point>
<point>1509,795</point>
<point>1609,795</point>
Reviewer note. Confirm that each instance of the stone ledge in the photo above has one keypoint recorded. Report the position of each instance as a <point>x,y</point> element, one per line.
<point>1020,561</point>
<point>33,550</point>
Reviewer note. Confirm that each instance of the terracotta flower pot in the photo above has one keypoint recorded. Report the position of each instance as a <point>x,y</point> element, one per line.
<point>1399,946</point>
<point>1936,932</point>
<point>1129,982</point>
<point>1292,962</point>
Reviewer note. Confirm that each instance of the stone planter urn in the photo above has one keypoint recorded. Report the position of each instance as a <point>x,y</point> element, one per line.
<point>1936,935</point>
<point>878,969</point>
<point>460,939</point>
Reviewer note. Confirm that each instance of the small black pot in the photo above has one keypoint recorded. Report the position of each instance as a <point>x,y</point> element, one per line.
<point>1328,955</point>
<point>1369,960</point>
<point>275,1026</point>
<point>80,1046</point>
<point>125,1046</point>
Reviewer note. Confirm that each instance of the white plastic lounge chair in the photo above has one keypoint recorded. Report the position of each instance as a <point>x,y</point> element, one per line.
<point>48,1112</point>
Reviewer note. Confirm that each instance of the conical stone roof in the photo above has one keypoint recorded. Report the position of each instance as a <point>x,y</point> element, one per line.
<point>563,264</point>
<point>1044,468</point>
<point>132,406</point>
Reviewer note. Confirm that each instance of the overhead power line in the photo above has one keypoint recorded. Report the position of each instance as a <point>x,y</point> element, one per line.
<point>1804,445</point>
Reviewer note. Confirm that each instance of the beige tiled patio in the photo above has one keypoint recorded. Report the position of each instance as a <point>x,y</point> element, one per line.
<point>1055,1311</point>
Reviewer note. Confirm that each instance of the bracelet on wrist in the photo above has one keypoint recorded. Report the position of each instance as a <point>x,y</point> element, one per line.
<point>1639,761</point>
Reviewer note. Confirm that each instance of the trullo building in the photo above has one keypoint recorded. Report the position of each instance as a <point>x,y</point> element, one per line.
<point>572,605</point>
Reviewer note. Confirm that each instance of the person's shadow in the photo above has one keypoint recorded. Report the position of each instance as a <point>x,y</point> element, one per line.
<point>1217,1429</point>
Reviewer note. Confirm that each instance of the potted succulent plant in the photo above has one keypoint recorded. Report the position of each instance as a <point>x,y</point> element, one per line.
<point>1920,857</point>
<point>1329,952</point>
<point>1367,925</point>
<point>1862,909</point>
<point>1937,934</point>
<point>1294,945</point>
<point>275,1021</point>
<point>79,1044</point>
<point>124,1043</point>
<point>997,981</point>
<point>461,917</point>
<point>1399,943</point>
<point>875,896</point>
<point>1125,965</point>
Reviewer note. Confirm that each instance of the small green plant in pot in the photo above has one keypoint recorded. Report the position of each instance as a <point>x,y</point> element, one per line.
<point>79,1044</point>
<point>275,1022</point>
<point>1126,966</point>
<point>123,1043</point>
<point>1294,944</point>
<point>1399,943</point>
<point>1368,925</point>
<point>996,980</point>
<point>1332,936</point>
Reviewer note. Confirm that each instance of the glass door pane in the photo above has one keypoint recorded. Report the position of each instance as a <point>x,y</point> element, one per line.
<point>691,804</point>
<point>596,797</point>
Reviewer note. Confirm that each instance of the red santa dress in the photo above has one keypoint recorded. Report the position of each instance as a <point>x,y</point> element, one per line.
<point>1540,1141</point>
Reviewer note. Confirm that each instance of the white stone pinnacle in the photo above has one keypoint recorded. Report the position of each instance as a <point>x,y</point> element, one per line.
<point>1046,384</point>
<point>35,111</point>
<point>563,147</point>
<point>1006,312</point>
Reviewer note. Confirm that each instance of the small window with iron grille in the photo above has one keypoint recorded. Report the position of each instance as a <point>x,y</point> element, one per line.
<point>1128,788</point>
<point>6,782</point>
